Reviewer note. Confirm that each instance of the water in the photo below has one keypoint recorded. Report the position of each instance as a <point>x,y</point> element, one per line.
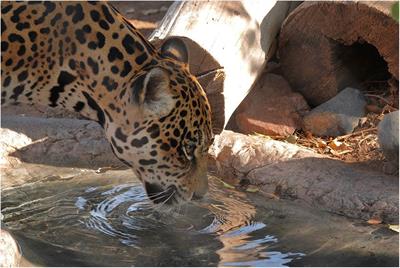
<point>78,218</point>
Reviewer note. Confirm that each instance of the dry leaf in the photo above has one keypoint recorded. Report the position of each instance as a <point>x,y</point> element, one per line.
<point>335,144</point>
<point>252,189</point>
<point>394,227</point>
<point>262,135</point>
<point>338,146</point>
<point>374,221</point>
<point>227,185</point>
<point>321,144</point>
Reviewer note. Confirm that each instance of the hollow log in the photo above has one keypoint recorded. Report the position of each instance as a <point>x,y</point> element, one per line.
<point>326,46</point>
<point>228,43</point>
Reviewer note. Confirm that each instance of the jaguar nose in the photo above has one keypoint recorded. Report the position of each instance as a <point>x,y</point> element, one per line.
<point>197,196</point>
<point>201,187</point>
<point>158,195</point>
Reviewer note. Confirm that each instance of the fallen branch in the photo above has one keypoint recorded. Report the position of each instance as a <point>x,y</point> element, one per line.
<point>356,133</point>
<point>379,97</point>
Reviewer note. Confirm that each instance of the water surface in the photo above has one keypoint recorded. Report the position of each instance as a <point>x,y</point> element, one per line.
<point>72,217</point>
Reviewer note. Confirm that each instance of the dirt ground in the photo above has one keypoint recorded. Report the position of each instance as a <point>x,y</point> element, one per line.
<point>362,144</point>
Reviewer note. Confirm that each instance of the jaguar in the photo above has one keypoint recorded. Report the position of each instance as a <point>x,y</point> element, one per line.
<point>86,57</point>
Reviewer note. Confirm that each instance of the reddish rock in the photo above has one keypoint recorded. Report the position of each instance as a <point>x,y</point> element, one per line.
<point>271,108</point>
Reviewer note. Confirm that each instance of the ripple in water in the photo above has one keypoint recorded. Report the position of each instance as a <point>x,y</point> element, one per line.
<point>100,224</point>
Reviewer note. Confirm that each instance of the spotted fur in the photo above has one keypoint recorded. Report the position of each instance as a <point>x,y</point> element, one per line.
<point>86,57</point>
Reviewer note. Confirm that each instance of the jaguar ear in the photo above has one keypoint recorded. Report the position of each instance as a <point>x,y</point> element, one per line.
<point>176,49</point>
<point>152,91</point>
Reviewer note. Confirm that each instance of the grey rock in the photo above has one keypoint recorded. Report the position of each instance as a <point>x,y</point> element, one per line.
<point>338,116</point>
<point>388,136</point>
<point>352,189</point>
<point>54,141</point>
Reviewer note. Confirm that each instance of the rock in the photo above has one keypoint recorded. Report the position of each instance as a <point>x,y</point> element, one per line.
<point>37,110</point>
<point>235,154</point>
<point>9,250</point>
<point>349,189</point>
<point>388,136</point>
<point>278,167</point>
<point>338,116</point>
<point>271,108</point>
<point>10,142</point>
<point>54,141</point>
<point>352,189</point>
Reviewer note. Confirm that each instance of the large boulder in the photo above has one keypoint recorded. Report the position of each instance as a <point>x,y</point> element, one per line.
<point>272,108</point>
<point>338,116</point>
<point>54,141</point>
<point>281,169</point>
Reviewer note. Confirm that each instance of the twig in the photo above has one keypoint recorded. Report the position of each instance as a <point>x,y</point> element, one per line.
<point>378,97</point>
<point>356,133</point>
<point>364,138</point>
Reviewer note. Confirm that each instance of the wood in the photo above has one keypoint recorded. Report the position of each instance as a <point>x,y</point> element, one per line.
<point>327,46</point>
<point>227,48</point>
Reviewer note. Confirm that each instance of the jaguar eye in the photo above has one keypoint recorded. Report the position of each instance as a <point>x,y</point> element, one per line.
<point>188,150</point>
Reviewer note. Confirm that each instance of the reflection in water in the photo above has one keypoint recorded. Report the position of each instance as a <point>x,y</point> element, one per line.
<point>242,249</point>
<point>96,222</point>
<point>233,221</point>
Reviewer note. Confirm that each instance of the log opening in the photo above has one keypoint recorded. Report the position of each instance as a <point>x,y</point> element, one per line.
<point>325,46</point>
<point>358,64</point>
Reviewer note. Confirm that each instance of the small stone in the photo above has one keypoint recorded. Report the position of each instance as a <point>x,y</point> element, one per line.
<point>338,116</point>
<point>388,136</point>
<point>271,108</point>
